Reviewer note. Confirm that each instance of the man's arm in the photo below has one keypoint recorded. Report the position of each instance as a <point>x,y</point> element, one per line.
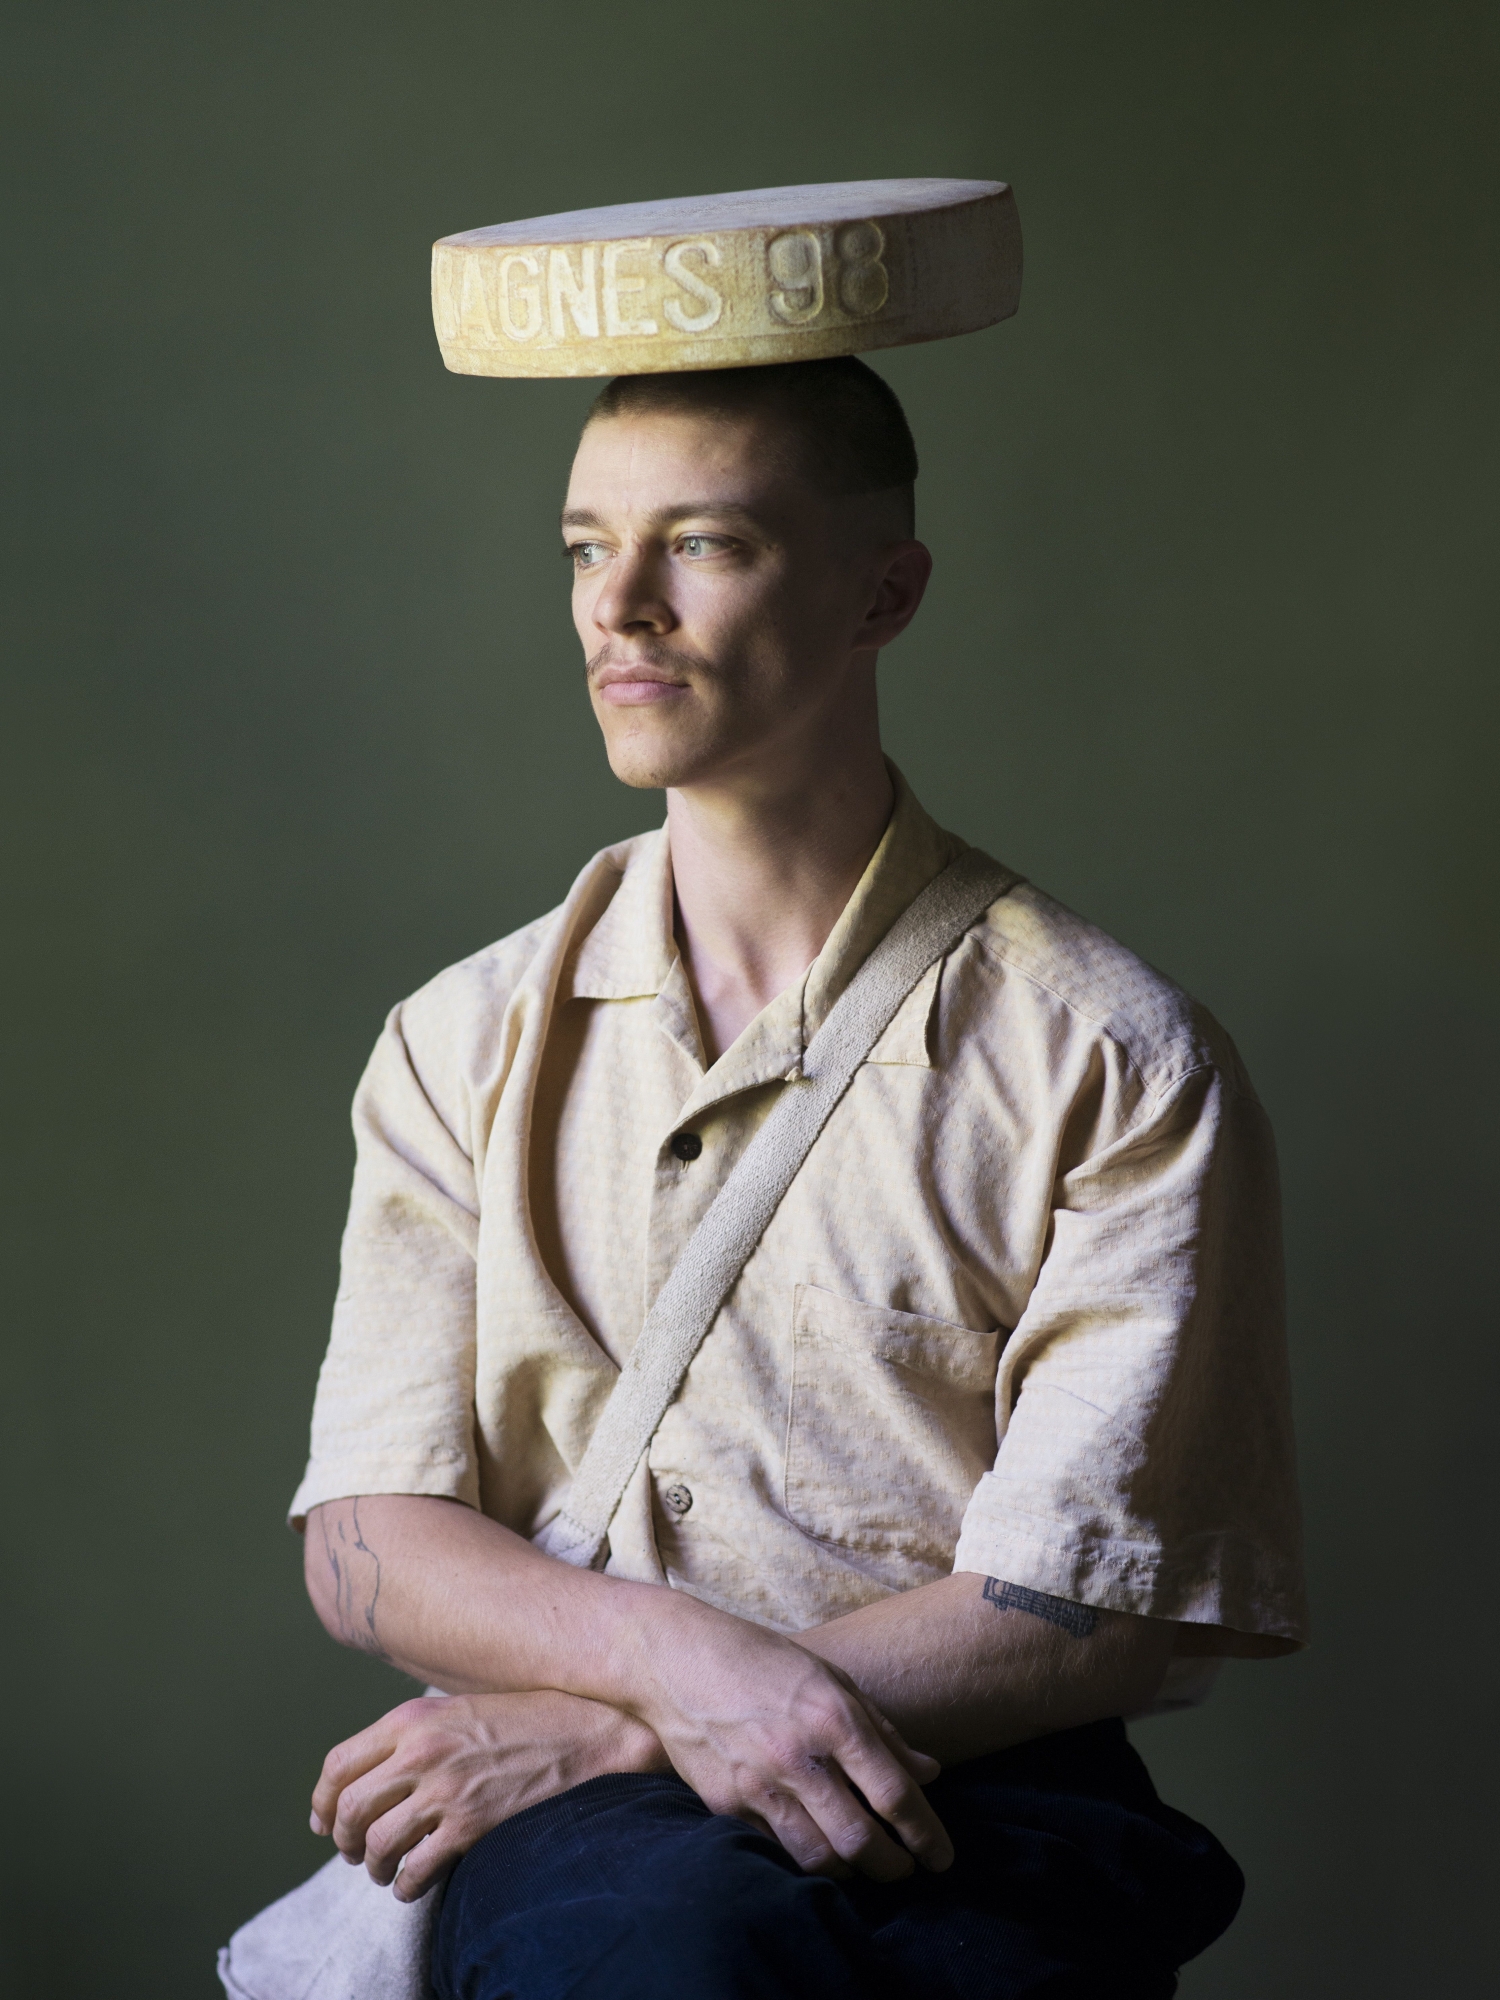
<point>453,1597</point>
<point>968,1664</point>
<point>754,1722</point>
<point>963,1665</point>
<point>972,1663</point>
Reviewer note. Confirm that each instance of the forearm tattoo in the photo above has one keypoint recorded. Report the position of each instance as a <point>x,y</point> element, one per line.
<point>1078,1619</point>
<point>356,1578</point>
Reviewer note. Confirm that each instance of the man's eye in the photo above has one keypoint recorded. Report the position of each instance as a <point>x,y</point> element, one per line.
<point>697,545</point>
<point>584,555</point>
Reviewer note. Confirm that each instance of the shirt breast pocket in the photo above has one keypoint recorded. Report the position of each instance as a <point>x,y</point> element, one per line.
<point>892,1425</point>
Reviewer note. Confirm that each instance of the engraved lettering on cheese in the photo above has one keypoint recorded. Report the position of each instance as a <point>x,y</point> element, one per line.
<point>475,320</point>
<point>616,285</point>
<point>580,293</point>
<point>514,294</point>
<point>710,302</point>
<point>864,283</point>
<point>795,262</point>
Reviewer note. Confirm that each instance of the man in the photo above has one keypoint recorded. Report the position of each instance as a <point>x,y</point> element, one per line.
<point>988,1446</point>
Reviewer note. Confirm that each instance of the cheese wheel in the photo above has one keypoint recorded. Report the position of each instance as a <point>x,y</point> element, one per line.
<point>728,280</point>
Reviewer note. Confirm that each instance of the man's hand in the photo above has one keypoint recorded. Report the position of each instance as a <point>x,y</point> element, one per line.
<point>780,1732</point>
<point>432,1777</point>
<point>762,1729</point>
<point>752,1721</point>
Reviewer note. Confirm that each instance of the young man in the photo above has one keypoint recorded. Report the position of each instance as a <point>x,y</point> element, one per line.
<point>987,1447</point>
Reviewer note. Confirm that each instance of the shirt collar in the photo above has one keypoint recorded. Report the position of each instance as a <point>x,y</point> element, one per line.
<point>631,953</point>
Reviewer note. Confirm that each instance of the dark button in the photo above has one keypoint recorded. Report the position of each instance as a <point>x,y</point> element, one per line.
<point>677,1499</point>
<point>686,1145</point>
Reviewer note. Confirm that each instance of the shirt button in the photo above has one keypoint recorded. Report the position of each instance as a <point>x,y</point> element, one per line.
<point>686,1145</point>
<point>677,1499</point>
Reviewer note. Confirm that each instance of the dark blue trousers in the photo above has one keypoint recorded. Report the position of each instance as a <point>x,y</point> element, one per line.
<point>1072,1881</point>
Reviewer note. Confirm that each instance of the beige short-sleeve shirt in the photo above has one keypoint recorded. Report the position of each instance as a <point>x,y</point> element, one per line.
<point>1020,1312</point>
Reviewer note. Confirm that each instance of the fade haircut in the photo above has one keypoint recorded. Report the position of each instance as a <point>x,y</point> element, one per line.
<point>850,428</point>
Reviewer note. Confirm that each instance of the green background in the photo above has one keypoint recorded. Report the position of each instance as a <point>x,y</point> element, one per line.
<point>293,717</point>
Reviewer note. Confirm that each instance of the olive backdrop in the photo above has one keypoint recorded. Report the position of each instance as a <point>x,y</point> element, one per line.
<point>293,717</point>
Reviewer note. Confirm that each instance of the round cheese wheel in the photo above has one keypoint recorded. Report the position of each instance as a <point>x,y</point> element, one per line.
<point>728,280</point>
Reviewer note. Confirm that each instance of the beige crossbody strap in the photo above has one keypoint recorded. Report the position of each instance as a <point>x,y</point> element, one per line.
<point>716,1253</point>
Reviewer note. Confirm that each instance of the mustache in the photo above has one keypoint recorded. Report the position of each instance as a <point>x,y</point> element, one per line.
<point>664,659</point>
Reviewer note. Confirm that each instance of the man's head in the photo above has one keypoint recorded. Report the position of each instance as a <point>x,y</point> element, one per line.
<point>742,548</point>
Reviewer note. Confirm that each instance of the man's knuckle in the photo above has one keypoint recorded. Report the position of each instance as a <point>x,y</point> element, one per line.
<point>828,1704</point>
<point>783,1811</point>
<point>888,1792</point>
<point>787,1757</point>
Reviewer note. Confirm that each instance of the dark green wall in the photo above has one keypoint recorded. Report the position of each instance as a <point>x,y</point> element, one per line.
<point>292,718</point>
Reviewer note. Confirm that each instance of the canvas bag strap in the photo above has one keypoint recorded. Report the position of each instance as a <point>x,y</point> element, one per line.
<point>717,1251</point>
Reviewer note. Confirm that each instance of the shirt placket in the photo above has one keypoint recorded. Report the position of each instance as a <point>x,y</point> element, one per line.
<point>695,1156</point>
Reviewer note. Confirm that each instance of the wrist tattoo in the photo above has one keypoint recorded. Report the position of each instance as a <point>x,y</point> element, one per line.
<point>1078,1619</point>
<point>356,1579</point>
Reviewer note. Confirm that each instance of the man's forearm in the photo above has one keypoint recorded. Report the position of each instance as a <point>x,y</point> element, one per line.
<point>970,1664</point>
<point>451,1597</point>
<point>756,1724</point>
<point>961,1666</point>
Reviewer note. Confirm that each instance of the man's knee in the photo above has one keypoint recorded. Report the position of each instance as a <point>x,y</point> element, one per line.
<point>631,1886</point>
<point>724,1898</point>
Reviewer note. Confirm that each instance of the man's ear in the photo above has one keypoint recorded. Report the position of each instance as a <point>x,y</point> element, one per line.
<point>901,581</point>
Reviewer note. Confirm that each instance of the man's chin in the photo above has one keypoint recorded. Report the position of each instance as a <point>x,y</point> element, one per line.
<point>641,759</point>
<point>648,774</point>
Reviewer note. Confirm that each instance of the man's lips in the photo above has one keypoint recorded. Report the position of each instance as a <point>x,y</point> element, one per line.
<point>627,684</point>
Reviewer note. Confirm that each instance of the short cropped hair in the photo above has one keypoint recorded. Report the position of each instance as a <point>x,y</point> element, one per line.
<point>852,430</point>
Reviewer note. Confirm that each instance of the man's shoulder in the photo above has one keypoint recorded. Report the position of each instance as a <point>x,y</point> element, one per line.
<point>1067,966</point>
<point>462,1008</point>
<point>482,984</point>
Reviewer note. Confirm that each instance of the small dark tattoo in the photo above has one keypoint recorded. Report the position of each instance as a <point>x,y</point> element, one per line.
<point>1078,1619</point>
<point>355,1595</point>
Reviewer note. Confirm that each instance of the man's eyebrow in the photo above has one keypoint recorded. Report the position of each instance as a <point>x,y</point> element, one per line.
<point>680,510</point>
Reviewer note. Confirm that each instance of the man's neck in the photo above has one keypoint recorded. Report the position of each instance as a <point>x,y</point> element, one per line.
<point>763,869</point>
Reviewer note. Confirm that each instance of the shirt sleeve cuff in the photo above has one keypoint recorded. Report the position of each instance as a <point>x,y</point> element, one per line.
<point>346,1478</point>
<point>1217,1583</point>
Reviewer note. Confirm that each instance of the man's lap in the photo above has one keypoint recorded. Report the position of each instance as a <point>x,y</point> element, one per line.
<point>1072,1880</point>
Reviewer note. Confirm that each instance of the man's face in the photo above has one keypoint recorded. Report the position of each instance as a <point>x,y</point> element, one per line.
<point>722,601</point>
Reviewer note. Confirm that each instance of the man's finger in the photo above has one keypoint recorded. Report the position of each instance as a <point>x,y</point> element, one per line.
<point>393,1835</point>
<point>893,1792</point>
<point>364,1802</point>
<point>788,1821</point>
<point>922,1767</point>
<point>854,1834</point>
<point>834,1866</point>
<point>346,1762</point>
<point>426,1863</point>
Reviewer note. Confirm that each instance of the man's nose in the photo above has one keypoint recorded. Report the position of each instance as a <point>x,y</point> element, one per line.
<point>633,595</point>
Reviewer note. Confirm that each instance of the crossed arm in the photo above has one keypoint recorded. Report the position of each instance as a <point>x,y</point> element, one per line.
<point>561,1675</point>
